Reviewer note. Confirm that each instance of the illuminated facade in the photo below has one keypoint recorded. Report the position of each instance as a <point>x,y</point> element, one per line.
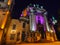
<point>32,26</point>
<point>5,18</point>
<point>5,11</point>
<point>37,16</point>
<point>14,32</point>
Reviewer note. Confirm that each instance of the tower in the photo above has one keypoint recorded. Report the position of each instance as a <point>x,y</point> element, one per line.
<point>37,15</point>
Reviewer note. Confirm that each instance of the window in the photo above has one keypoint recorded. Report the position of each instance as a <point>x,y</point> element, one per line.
<point>18,36</point>
<point>23,36</point>
<point>31,34</point>
<point>12,36</point>
<point>24,25</point>
<point>14,26</point>
<point>3,14</point>
<point>27,33</point>
<point>27,22</point>
<point>38,21</point>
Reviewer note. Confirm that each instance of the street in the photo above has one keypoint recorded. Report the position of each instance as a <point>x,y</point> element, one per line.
<point>53,43</point>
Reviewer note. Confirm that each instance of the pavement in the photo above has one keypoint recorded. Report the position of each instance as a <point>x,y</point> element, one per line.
<point>52,43</point>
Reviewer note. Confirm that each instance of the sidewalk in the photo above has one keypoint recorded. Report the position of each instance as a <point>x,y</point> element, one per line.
<point>52,43</point>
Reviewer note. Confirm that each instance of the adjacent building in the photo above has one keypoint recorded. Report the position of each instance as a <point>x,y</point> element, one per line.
<point>5,12</point>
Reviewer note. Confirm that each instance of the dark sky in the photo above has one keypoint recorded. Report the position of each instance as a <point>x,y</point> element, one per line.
<point>51,6</point>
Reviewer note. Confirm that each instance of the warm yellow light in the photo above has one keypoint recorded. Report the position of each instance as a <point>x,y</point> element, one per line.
<point>24,12</point>
<point>13,31</point>
<point>51,31</point>
<point>38,38</point>
<point>7,12</point>
<point>4,21</point>
<point>9,2</point>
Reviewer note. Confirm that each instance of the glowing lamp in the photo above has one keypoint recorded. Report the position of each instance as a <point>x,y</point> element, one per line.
<point>24,12</point>
<point>9,2</point>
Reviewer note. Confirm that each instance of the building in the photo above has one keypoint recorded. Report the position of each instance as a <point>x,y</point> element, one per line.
<point>37,16</point>
<point>32,26</point>
<point>5,12</point>
<point>14,32</point>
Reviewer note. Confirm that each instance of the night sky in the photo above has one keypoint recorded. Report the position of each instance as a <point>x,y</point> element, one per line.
<point>52,6</point>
